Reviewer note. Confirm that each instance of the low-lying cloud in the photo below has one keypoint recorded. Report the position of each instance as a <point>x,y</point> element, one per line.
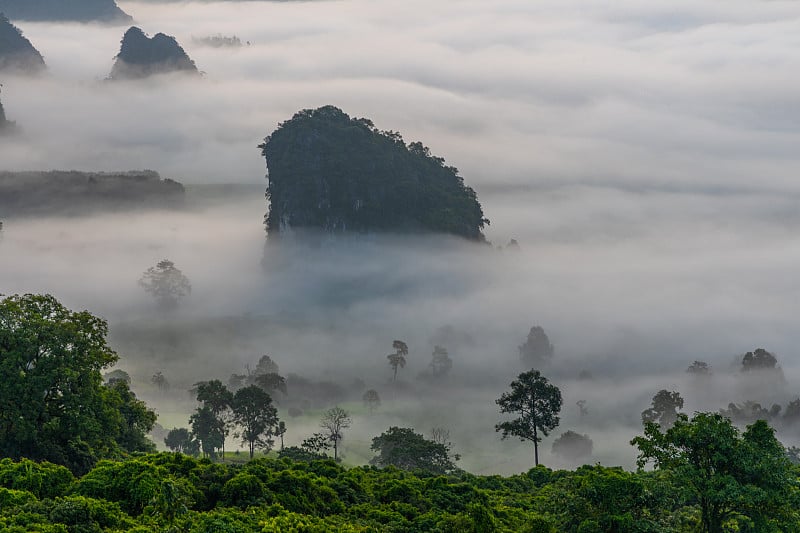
<point>642,154</point>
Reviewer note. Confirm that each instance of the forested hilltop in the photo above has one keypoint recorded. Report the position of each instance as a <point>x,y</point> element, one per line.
<point>337,174</point>
<point>73,192</point>
<point>141,56</point>
<point>65,10</point>
<point>17,54</point>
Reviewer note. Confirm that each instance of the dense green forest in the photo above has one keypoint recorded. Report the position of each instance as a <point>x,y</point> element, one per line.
<point>338,174</point>
<point>77,459</point>
<point>17,54</point>
<point>72,10</point>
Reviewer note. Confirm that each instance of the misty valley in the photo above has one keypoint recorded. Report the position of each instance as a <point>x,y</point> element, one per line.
<point>359,266</point>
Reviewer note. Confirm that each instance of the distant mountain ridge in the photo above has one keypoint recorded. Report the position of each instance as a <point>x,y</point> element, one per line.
<point>60,192</point>
<point>65,10</point>
<point>17,54</point>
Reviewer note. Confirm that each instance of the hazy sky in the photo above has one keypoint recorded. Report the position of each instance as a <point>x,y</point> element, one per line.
<point>643,154</point>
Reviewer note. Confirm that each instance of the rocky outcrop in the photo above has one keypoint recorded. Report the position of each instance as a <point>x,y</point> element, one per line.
<point>65,10</point>
<point>141,56</point>
<point>17,54</point>
<point>74,193</point>
<point>336,174</point>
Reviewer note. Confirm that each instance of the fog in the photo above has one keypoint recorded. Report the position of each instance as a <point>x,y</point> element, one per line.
<point>643,155</point>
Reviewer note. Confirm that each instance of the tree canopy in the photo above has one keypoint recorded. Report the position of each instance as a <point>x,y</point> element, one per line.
<point>330,172</point>
<point>729,474</point>
<point>166,283</point>
<point>664,408</point>
<point>537,349</point>
<point>408,450</point>
<point>53,405</point>
<point>537,402</point>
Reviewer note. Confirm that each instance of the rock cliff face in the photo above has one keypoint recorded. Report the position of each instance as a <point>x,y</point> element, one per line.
<point>329,172</point>
<point>141,56</point>
<point>17,54</point>
<point>65,10</point>
<point>74,193</point>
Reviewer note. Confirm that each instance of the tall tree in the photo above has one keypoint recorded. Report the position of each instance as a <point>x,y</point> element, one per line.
<point>280,431</point>
<point>52,403</point>
<point>137,418</point>
<point>166,283</point>
<point>160,381</point>
<point>371,400</point>
<point>254,414</point>
<point>759,359</point>
<point>440,361</point>
<point>724,472</point>
<point>537,402</point>
<point>271,383</point>
<point>537,349</point>
<point>182,441</point>
<point>398,358</point>
<point>215,396</point>
<point>664,409</point>
<point>334,421</point>
<point>208,429</point>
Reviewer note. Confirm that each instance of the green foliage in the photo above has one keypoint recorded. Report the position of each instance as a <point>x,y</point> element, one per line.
<point>253,412</point>
<point>729,475</point>
<point>336,174</point>
<point>406,449</point>
<point>133,484</point>
<point>243,490</point>
<point>44,480</point>
<point>537,402</point>
<point>664,409</point>
<point>182,441</point>
<point>54,406</point>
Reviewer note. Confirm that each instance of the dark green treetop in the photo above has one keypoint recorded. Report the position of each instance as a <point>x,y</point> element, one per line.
<point>53,405</point>
<point>338,174</point>
<point>406,449</point>
<point>727,473</point>
<point>537,402</point>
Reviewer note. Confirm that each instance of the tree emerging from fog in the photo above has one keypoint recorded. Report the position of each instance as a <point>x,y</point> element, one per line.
<point>372,400</point>
<point>573,446</point>
<point>664,409</point>
<point>440,363</point>
<point>166,283</point>
<point>759,359</point>
<point>253,412</point>
<point>537,349</point>
<point>537,402</point>
<point>398,358</point>
<point>334,421</point>
<point>408,450</point>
